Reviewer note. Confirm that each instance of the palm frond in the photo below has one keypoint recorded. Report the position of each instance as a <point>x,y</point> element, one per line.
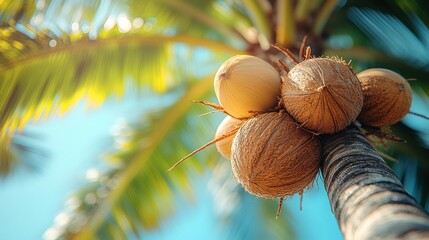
<point>13,11</point>
<point>60,63</point>
<point>417,7</point>
<point>8,157</point>
<point>53,57</point>
<point>139,192</point>
<point>413,152</point>
<point>285,28</point>
<point>21,150</point>
<point>55,78</point>
<point>405,45</point>
<point>260,19</point>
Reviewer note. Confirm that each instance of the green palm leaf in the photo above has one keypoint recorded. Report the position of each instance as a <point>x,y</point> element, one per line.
<point>143,192</point>
<point>21,151</point>
<point>49,79</point>
<point>12,11</point>
<point>57,64</point>
<point>46,69</point>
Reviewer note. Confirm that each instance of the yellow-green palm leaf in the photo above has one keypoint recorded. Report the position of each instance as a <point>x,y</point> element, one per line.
<point>47,65</point>
<point>139,193</point>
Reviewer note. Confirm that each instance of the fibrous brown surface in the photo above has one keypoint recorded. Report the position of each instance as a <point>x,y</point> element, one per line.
<point>273,157</point>
<point>387,97</point>
<point>322,94</point>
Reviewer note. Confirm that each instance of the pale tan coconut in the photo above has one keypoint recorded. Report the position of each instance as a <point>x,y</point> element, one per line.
<point>387,97</point>
<point>227,125</point>
<point>245,85</point>
<point>273,157</point>
<point>322,94</point>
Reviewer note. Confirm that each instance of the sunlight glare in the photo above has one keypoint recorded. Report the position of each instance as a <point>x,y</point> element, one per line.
<point>75,27</point>
<point>147,26</point>
<point>138,23</point>
<point>51,233</point>
<point>92,174</point>
<point>109,24</point>
<point>124,23</point>
<point>40,4</point>
<point>72,204</point>
<point>85,27</point>
<point>62,219</point>
<point>37,19</point>
<point>102,192</point>
<point>53,43</point>
<point>90,199</point>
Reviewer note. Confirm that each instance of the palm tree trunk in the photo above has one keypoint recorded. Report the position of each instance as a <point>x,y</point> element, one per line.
<point>366,197</point>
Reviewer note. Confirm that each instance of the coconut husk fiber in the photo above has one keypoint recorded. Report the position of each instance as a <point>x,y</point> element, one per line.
<point>272,156</point>
<point>387,97</point>
<point>323,94</point>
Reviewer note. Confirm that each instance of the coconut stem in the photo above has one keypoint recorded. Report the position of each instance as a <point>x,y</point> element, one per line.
<point>301,49</point>
<point>307,53</point>
<point>379,133</point>
<point>301,197</point>
<point>279,207</point>
<point>220,138</point>
<point>388,157</point>
<point>283,65</point>
<point>286,52</point>
<point>212,105</point>
<point>419,115</point>
<point>216,107</point>
<point>207,113</point>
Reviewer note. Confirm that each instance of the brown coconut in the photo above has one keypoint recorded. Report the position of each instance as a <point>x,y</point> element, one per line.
<point>227,125</point>
<point>387,97</point>
<point>322,94</point>
<point>273,157</point>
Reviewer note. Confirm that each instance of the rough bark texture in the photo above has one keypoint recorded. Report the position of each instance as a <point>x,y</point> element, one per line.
<point>366,197</point>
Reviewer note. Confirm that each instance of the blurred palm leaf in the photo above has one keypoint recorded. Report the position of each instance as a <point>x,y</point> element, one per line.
<point>140,191</point>
<point>414,152</point>
<point>46,67</point>
<point>406,46</point>
<point>21,150</point>
<point>56,79</point>
<point>12,11</point>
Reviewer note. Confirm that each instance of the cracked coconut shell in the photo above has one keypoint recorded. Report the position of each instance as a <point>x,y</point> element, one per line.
<point>387,97</point>
<point>227,125</point>
<point>273,157</point>
<point>246,84</point>
<point>322,94</point>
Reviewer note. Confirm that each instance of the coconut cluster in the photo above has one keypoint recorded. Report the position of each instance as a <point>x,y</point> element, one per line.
<point>274,116</point>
